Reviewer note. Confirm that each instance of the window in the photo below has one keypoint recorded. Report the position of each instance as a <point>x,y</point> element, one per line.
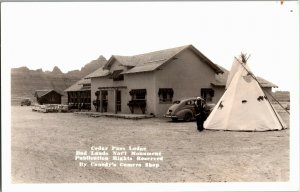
<point>117,76</point>
<point>138,100</point>
<point>191,102</point>
<point>87,85</point>
<point>165,95</point>
<point>138,94</point>
<point>207,94</point>
<point>104,95</point>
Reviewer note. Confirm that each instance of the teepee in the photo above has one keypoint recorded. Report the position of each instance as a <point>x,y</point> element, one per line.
<point>243,106</point>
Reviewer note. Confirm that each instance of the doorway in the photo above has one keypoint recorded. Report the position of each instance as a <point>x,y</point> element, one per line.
<point>118,101</point>
<point>207,94</point>
<point>104,94</point>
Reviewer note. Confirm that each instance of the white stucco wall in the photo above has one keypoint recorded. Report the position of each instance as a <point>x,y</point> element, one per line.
<point>186,75</point>
<point>142,81</point>
<point>219,91</point>
<point>131,81</point>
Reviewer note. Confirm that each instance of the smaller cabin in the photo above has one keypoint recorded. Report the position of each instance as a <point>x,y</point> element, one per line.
<point>79,95</point>
<point>48,97</point>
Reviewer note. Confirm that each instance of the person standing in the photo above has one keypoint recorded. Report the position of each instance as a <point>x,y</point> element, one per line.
<point>200,113</point>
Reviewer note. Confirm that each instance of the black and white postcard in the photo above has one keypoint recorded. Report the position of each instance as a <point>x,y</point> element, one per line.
<point>150,96</point>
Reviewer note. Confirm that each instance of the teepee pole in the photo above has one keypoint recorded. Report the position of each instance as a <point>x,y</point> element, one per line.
<point>264,92</point>
<point>263,89</point>
<point>276,101</point>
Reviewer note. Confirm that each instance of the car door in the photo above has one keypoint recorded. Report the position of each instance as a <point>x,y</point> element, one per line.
<point>190,105</point>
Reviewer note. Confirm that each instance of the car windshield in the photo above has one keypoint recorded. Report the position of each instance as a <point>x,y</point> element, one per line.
<point>176,102</point>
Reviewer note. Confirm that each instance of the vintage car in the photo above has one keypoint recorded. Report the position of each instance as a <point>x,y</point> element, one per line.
<point>26,102</point>
<point>50,108</point>
<point>185,109</point>
<point>62,108</point>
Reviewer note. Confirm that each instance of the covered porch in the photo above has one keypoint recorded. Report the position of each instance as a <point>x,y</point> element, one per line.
<point>106,102</point>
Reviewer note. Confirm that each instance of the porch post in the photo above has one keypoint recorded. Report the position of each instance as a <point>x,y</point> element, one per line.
<point>69,98</point>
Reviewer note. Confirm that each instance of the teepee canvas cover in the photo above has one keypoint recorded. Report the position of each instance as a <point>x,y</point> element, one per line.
<point>243,106</point>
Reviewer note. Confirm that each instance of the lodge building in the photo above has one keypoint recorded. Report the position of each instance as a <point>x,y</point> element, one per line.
<point>149,83</point>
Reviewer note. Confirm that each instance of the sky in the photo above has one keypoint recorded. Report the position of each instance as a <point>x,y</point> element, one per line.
<point>71,34</point>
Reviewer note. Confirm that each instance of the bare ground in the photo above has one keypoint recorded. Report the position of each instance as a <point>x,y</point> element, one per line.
<point>44,145</point>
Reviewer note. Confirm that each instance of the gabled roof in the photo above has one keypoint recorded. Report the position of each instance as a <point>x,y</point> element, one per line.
<point>84,81</point>
<point>143,68</point>
<point>98,73</point>
<point>116,74</point>
<point>146,58</point>
<point>220,80</point>
<point>41,93</point>
<point>153,60</point>
<point>78,86</point>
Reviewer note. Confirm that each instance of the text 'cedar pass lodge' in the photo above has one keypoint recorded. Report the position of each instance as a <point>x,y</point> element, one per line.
<point>149,83</point>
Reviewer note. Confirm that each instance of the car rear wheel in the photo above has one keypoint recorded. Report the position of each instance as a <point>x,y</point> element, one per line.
<point>187,117</point>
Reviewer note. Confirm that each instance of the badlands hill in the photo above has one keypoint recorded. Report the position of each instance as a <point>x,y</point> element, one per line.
<point>24,82</point>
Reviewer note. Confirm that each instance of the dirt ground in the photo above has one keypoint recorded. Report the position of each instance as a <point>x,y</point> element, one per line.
<point>44,145</point>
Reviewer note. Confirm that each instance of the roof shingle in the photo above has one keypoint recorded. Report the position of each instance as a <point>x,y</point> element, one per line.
<point>158,57</point>
<point>41,93</point>
<point>78,86</point>
<point>153,60</point>
<point>98,73</point>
